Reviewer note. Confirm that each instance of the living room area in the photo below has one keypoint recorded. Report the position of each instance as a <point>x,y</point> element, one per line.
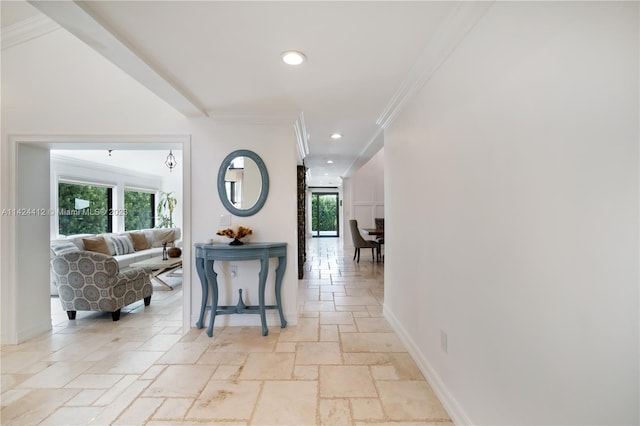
<point>122,203</point>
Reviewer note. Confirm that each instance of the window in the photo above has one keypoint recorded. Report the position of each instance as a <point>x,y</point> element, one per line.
<point>139,208</point>
<point>84,208</point>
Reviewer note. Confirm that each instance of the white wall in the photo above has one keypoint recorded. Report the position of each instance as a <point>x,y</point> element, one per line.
<point>33,162</point>
<point>512,192</point>
<point>55,85</point>
<point>364,195</point>
<point>275,222</point>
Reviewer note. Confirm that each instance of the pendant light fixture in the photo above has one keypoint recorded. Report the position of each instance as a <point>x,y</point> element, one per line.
<point>171,162</point>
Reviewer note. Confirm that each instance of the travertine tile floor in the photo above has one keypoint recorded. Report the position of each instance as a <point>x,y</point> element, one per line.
<point>341,365</point>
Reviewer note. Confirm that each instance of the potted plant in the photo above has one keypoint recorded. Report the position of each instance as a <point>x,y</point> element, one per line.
<point>165,210</point>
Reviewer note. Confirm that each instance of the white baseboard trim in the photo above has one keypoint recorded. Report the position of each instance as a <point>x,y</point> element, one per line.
<point>457,414</point>
<point>34,331</point>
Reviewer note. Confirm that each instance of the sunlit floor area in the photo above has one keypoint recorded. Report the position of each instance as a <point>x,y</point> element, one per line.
<point>341,365</point>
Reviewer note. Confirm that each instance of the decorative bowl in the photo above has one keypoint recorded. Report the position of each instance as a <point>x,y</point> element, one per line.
<point>174,252</point>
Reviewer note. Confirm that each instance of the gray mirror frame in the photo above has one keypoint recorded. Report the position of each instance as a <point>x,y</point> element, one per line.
<point>264,190</point>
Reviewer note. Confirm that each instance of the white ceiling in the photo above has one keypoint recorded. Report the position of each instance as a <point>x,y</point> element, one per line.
<point>149,161</point>
<point>222,59</point>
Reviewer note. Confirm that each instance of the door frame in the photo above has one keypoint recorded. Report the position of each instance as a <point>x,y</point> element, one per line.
<point>315,234</point>
<point>13,333</point>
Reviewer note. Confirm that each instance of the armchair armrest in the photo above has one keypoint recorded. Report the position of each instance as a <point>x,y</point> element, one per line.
<point>133,274</point>
<point>78,264</point>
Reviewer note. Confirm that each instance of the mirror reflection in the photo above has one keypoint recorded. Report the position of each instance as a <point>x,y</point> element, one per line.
<point>243,183</point>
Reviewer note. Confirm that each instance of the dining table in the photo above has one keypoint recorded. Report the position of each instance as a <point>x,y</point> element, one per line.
<point>373,231</point>
<point>379,234</point>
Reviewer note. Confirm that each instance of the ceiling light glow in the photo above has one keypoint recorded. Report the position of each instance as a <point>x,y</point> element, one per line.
<point>329,161</point>
<point>293,57</point>
<point>336,136</point>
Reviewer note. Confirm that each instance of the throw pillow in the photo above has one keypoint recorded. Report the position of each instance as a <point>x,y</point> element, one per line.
<point>107,238</point>
<point>97,245</point>
<point>58,248</point>
<point>123,244</point>
<point>161,236</point>
<point>139,241</point>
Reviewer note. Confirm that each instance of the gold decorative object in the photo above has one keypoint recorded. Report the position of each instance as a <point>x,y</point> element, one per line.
<point>236,234</point>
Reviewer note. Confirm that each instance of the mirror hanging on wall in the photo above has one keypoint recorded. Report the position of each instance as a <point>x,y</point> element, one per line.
<point>243,183</point>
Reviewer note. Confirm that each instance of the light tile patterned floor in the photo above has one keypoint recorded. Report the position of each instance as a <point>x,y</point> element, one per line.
<point>341,365</point>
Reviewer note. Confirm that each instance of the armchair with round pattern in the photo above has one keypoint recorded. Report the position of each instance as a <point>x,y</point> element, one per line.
<point>89,281</point>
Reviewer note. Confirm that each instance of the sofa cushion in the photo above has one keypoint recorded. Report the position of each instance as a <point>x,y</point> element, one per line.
<point>123,244</point>
<point>162,236</point>
<point>139,241</point>
<point>127,259</point>
<point>97,245</point>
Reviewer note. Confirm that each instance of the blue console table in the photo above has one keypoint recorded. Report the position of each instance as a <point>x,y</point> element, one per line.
<point>207,254</point>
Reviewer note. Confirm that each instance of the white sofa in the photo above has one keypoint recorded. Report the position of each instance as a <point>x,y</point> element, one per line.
<point>124,256</point>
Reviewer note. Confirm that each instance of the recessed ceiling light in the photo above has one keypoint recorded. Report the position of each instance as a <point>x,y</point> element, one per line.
<point>336,136</point>
<point>293,57</point>
<point>329,161</point>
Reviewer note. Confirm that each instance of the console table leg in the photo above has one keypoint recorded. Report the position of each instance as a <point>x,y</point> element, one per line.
<point>205,291</point>
<point>264,270</point>
<point>213,282</point>
<point>282,264</point>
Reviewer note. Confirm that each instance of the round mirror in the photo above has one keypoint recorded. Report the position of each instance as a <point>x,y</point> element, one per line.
<point>243,183</point>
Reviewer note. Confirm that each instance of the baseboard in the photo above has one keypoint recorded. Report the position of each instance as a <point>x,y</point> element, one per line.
<point>34,331</point>
<point>457,414</point>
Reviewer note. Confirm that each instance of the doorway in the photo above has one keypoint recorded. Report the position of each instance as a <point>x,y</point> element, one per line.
<point>30,153</point>
<point>325,214</point>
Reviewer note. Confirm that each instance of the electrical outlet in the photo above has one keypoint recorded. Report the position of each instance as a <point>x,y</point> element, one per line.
<point>234,271</point>
<point>443,341</point>
<point>225,220</point>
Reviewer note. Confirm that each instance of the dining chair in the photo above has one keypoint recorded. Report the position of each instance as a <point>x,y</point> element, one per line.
<point>380,239</point>
<point>359,242</point>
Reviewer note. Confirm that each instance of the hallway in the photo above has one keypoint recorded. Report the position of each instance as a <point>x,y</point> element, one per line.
<point>342,364</point>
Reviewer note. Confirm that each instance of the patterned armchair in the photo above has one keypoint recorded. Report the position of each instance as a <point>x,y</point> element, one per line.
<point>89,281</point>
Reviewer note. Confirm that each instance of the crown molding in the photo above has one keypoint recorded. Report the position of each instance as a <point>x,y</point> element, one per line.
<point>444,42</point>
<point>302,137</point>
<point>26,30</point>
<point>446,39</point>
<point>373,146</point>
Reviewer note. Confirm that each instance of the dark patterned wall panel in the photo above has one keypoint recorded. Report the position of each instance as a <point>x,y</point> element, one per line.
<point>302,221</point>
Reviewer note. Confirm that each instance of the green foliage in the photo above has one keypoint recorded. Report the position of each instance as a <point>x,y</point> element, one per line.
<point>165,208</point>
<point>139,207</point>
<point>94,219</point>
<point>324,212</point>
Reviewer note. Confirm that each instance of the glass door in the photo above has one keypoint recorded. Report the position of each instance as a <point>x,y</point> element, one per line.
<point>324,214</point>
